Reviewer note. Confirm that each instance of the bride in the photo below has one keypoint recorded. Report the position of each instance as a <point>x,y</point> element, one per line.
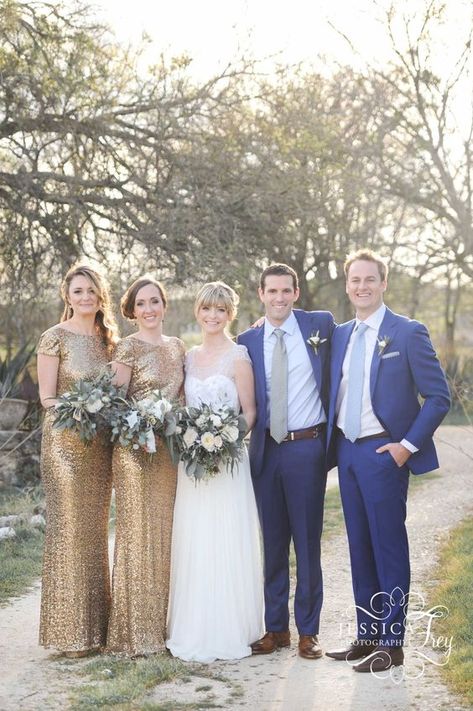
<point>216,595</point>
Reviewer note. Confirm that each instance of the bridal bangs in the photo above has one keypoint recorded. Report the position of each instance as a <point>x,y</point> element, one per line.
<point>217,293</point>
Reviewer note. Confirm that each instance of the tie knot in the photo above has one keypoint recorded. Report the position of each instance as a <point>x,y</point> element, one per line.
<point>362,327</point>
<point>279,333</point>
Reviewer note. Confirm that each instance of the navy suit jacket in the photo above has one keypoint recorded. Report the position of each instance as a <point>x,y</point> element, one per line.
<point>309,323</point>
<point>407,367</point>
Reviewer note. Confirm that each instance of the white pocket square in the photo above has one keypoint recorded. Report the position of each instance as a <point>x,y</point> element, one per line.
<point>390,355</point>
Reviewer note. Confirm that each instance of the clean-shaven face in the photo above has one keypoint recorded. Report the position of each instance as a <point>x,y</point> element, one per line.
<point>212,319</point>
<point>278,297</point>
<point>83,296</point>
<point>149,307</point>
<point>364,287</point>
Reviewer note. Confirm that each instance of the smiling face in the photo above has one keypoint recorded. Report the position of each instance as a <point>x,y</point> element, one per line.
<point>278,297</point>
<point>149,308</point>
<point>364,287</point>
<point>212,319</point>
<point>82,296</point>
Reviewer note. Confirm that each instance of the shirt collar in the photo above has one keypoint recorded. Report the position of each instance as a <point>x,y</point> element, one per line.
<point>374,320</point>
<point>289,326</point>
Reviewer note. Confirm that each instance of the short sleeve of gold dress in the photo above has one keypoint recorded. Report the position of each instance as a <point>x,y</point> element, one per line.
<point>77,481</point>
<point>145,490</point>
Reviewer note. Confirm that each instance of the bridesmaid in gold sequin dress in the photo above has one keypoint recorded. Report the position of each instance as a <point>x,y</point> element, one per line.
<point>77,478</point>
<point>144,488</point>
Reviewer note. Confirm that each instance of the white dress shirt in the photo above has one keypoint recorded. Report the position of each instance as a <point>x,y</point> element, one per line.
<point>304,404</point>
<point>370,424</point>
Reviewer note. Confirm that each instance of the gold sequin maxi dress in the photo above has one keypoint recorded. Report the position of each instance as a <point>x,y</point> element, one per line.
<point>77,481</point>
<point>145,490</point>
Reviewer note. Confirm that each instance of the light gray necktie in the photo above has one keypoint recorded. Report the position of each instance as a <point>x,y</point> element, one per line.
<point>356,376</point>
<point>278,400</point>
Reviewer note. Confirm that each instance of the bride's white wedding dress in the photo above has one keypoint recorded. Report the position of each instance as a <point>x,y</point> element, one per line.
<point>216,595</point>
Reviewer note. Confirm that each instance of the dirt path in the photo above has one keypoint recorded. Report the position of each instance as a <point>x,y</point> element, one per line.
<point>32,679</point>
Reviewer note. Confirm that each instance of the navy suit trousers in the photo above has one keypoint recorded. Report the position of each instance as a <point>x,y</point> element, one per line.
<point>374,494</point>
<point>290,497</point>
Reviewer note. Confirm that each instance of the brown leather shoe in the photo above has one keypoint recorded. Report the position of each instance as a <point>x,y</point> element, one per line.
<point>309,646</point>
<point>381,659</point>
<point>270,642</point>
<point>356,650</point>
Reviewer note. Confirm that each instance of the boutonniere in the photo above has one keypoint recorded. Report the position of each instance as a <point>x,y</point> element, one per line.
<point>315,341</point>
<point>383,343</point>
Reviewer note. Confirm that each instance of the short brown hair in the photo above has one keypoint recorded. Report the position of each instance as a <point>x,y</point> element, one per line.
<point>367,255</point>
<point>127,302</point>
<point>279,270</point>
<point>217,293</point>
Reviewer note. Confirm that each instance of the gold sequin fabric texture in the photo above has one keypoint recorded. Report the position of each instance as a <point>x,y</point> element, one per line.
<point>145,489</point>
<point>77,481</point>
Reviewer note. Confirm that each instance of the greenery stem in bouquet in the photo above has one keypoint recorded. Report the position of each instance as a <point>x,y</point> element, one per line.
<point>86,406</point>
<point>208,440</point>
<point>135,424</point>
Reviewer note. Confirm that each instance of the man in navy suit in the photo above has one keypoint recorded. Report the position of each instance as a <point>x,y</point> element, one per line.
<point>378,432</point>
<point>290,355</point>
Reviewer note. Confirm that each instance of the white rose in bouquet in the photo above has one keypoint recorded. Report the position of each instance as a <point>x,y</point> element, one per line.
<point>94,403</point>
<point>218,442</point>
<point>208,441</point>
<point>216,420</point>
<point>190,436</point>
<point>230,433</point>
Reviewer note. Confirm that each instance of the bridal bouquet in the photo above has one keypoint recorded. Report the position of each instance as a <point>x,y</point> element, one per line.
<point>135,423</point>
<point>86,406</point>
<point>207,439</point>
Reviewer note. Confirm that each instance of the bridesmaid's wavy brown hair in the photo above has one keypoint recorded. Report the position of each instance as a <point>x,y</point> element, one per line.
<point>104,319</point>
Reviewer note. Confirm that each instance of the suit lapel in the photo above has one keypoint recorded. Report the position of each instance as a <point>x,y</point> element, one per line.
<point>338,354</point>
<point>387,328</point>
<point>306,330</point>
<point>258,365</point>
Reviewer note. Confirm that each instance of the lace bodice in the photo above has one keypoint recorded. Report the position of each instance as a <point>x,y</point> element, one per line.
<point>214,383</point>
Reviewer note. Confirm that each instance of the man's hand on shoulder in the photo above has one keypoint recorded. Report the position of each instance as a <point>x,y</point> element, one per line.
<point>398,452</point>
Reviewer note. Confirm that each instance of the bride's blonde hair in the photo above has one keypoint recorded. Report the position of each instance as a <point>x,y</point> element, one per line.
<point>217,293</point>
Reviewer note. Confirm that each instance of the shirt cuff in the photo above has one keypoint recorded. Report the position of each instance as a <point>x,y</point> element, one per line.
<point>409,446</point>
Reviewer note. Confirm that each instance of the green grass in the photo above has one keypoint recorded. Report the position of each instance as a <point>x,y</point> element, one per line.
<point>458,417</point>
<point>455,569</point>
<point>121,684</point>
<point>333,513</point>
<point>21,557</point>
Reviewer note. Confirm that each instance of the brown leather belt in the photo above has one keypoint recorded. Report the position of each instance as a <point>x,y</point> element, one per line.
<point>378,435</point>
<point>307,433</point>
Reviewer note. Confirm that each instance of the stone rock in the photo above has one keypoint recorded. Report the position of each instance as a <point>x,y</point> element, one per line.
<point>7,532</point>
<point>37,521</point>
<point>20,466</point>
<point>9,520</point>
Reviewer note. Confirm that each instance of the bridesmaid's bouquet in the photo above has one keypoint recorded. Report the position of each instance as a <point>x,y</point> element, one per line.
<point>136,423</point>
<point>86,407</point>
<point>208,440</point>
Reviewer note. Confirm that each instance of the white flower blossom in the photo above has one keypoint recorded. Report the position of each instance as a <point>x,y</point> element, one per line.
<point>132,418</point>
<point>150,445</point>
<point>230,433</point>
<point>94,405</point>
<point>218,442</point>
<point>208,441</point>
<point>190,436</point>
